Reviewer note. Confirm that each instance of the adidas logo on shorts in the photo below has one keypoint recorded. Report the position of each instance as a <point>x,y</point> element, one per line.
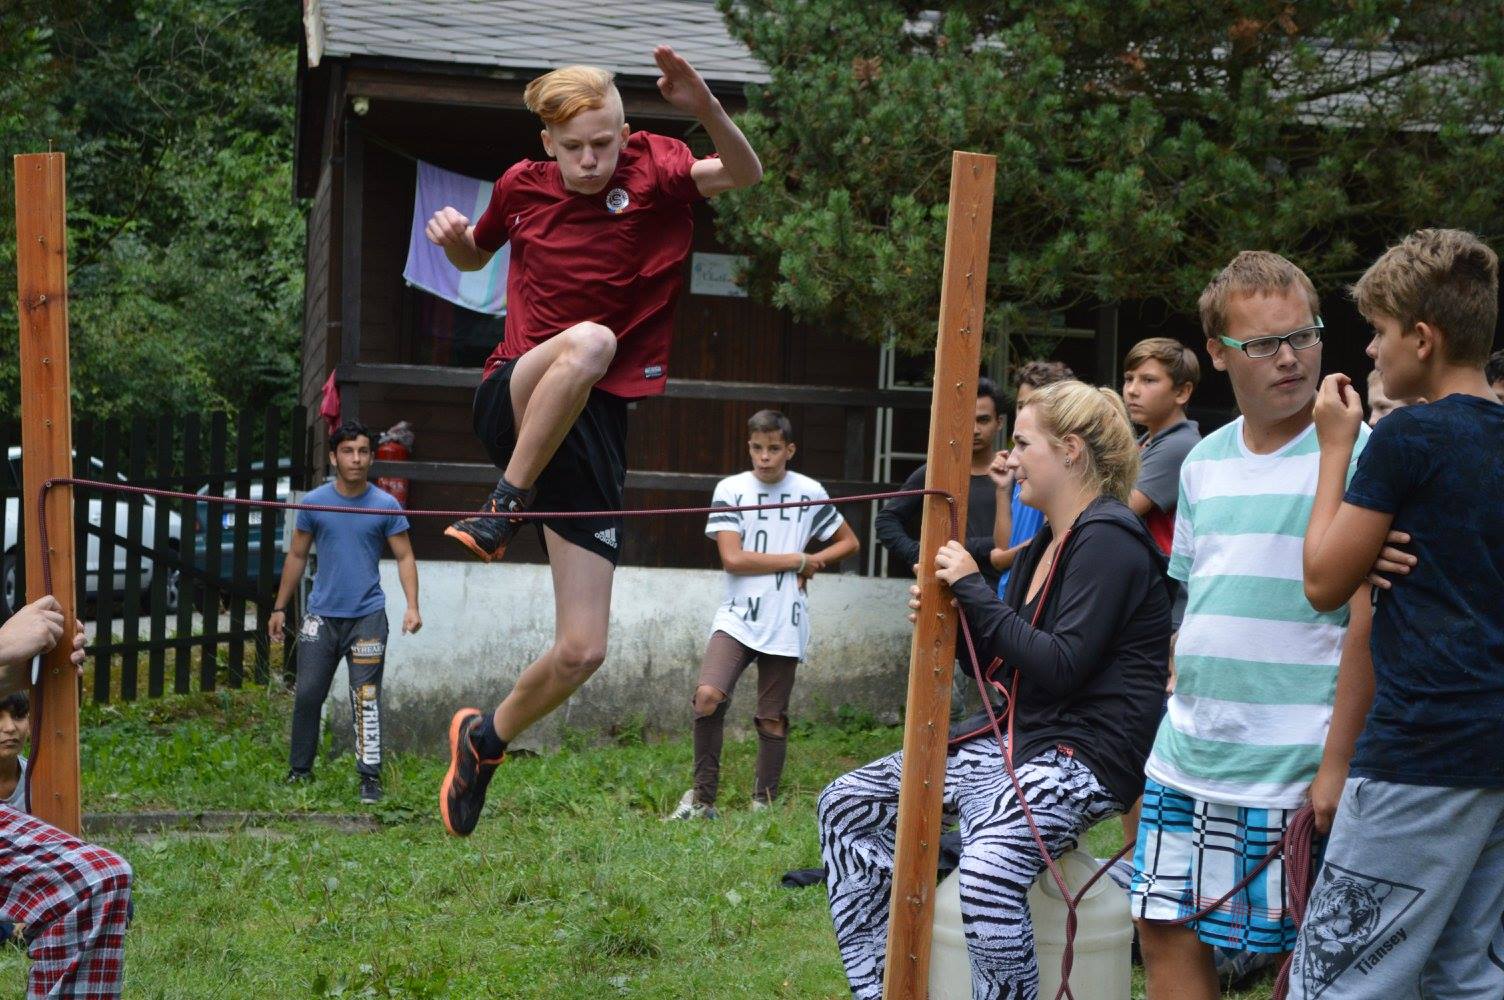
<point>608,536</point>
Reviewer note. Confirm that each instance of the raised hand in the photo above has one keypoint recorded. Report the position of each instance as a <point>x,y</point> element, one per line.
<point>681,85</point>
<point>448,228</point>
<point>1000,473</point>
<point>1338,411</point>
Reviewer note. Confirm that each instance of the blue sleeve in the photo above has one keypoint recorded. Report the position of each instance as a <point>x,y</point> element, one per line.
<point>396,525</point>
<point>308,520</point>
<point>1388,468</point>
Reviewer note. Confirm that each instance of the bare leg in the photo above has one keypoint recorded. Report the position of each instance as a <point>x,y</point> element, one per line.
<point>1177,965</point>
<point>550,385</point>
<point>582,610</point>
<point>1130,823</point>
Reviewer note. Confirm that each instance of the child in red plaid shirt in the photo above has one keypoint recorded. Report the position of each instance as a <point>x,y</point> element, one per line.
<point>71,896</point>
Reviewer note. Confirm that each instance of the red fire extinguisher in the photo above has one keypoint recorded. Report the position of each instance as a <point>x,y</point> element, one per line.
<point>395,446</point>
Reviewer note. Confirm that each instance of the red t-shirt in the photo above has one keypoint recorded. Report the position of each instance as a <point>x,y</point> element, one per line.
<point>1161,525</point>
<point>615,258</point>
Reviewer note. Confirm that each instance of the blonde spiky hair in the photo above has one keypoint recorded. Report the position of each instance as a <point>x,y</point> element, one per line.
<point>559,95</point>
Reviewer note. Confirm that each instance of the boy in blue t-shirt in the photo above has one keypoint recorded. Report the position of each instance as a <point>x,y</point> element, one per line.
<point>1021,522</point>
<point>347,611</point>
<point>1409,898</point>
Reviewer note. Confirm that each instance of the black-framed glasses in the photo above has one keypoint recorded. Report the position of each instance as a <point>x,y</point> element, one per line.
<point>1268,347</point>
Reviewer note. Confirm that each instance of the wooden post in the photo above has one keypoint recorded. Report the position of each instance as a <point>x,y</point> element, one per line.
<point>957,357</point>
<point>47,443</point>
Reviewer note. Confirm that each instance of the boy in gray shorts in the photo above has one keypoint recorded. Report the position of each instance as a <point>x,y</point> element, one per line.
<point>347,610</point>
<point>1410,895</point>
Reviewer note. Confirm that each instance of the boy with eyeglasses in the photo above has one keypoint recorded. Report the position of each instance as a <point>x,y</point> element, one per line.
<point>1241,746</point>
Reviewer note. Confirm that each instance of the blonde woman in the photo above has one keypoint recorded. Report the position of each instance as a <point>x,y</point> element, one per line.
<point>1084,630</point>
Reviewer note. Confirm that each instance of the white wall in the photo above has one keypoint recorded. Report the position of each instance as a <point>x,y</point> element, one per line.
<point>483,623</point>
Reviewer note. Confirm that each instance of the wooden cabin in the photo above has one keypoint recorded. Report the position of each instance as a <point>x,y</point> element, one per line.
<point>383,84</point>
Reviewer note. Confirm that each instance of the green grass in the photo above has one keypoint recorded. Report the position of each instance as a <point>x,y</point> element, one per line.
<point>571,887</point>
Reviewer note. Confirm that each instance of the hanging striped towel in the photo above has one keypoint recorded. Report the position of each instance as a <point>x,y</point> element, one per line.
<point>483,291</point>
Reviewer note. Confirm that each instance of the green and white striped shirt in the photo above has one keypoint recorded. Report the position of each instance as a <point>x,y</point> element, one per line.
<point>1256,665</point>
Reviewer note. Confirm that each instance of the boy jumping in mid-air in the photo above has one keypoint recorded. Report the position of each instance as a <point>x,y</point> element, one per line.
<point>599,235</point>
<point>763,616</point>
<point>1409,898</point>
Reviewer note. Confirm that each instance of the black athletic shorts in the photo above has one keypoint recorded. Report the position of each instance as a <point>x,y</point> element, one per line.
<point>588,472</point>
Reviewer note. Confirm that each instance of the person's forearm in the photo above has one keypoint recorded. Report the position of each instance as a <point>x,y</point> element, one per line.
<point>1000,631</point>
<point>890,533</point>
<point>836,551</point>
<point>737,154</point>
<point>292,572</point>
<point>468,257</point>
<point>1002,523</point>
<point>1003,558</point>
<point>746,563</point>
<point>1354,686</point>
<point>407,572</point>
<point>1331,480</point>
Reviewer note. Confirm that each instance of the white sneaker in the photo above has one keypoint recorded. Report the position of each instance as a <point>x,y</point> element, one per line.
<point>690,809</point>
<point>758,805</point>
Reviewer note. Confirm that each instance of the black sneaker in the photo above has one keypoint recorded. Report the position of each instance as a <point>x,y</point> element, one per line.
<point>487,537</point>
<point>370,789</point>
<point>464,790</point>
<point>296,777</point>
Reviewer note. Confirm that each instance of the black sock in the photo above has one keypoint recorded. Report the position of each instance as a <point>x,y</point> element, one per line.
<point>483,737</point>
<point>523,498</point>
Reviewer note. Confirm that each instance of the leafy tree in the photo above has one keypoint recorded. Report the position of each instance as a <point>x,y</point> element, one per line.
<point>1140,144</point>
<point>185,243</point>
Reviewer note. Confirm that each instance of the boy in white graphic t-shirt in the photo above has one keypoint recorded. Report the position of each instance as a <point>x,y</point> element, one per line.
<point>763,615</point>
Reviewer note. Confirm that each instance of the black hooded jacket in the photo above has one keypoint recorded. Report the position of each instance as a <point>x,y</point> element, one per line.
<point>1092,674</point>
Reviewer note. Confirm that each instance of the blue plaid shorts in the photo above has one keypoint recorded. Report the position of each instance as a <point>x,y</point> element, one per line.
<point>1190,853</point>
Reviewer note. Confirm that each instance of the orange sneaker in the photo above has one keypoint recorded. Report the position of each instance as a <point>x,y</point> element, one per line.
<point>487,537</point>
<point>463,793</point>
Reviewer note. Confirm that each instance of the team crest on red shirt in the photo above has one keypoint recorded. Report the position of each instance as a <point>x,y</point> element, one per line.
<point>616,200</point>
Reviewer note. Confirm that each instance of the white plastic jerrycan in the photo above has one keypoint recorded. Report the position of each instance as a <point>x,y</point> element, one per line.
<point>1104,936</point>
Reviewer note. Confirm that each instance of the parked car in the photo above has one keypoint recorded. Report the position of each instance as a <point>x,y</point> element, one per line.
<point>10,563</point>
<point>225,515</point>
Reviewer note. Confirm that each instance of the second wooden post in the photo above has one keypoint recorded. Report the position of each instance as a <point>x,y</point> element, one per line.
<point>957,356</point>
<point>47,444</point>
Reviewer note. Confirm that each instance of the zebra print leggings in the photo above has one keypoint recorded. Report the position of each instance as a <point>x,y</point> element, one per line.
<point>858,815</point>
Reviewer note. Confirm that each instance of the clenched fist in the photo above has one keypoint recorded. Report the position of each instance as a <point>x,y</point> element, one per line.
<point>448,228</point>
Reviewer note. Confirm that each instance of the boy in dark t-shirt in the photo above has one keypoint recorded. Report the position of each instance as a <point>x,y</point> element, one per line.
<point>598,234</point>
<point>897,524</point>
<point>1412,886</point>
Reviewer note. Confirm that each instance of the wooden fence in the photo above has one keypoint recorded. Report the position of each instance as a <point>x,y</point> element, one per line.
<point>183,587</point>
